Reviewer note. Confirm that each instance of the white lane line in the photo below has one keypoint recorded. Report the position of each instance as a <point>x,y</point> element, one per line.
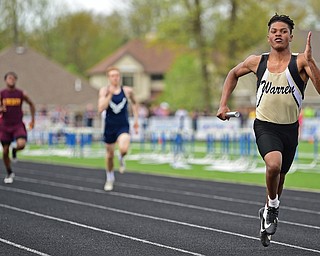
<point>81,178</point>
<point>97,229</point>
<point>201,195</point>
<point>151,217</point>
<point>181,192</point>
<point>23,247</point>
<point>100,191</point>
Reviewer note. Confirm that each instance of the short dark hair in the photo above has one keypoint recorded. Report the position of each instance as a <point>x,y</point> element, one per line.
<point>282,18</point>
<point>10,73</point>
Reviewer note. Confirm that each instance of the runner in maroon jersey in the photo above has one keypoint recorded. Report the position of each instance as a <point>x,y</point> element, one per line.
<point>12,127</point>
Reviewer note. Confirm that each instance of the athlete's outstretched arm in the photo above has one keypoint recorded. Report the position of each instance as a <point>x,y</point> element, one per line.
<point>2,107</point>
<point>243,68</point>
<point>32,109</point>
<point>134,104</point>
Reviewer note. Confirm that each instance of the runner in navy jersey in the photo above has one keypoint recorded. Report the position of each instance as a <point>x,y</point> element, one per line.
<point>113,102</point>
<point>281,80</point>
<point>12,127</point>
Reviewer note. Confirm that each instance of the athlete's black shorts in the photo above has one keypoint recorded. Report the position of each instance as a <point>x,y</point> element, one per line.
<point>277,137</point>
<point>111,134</point>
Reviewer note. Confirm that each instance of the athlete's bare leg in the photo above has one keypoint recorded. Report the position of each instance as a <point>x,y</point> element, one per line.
<point>6,158</point>
<point>21,143</point>
<point>124,143</point>
<point>108,186</point>
<point>273,162</point>
<point>109,156</point>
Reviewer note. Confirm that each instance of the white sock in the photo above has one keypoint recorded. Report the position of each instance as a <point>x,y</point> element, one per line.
<point>110,176</point>
<point>265,211</point>
<point>273,202</point>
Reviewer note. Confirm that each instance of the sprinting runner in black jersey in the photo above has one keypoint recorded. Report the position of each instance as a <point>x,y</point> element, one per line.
<point>281,80</point>
<point>113,102</point>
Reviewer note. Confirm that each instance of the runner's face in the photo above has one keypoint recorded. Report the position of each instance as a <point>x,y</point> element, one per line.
<point>114,77</point>
<point>11,81</point>
<point>279,36</point>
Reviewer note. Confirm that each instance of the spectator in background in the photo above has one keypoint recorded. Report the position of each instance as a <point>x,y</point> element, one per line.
<point>300,120</point>
<point>143,114</point>
<point>162,110</point>
<point>89,115</point>
<point>43,111</point>
<point>194,118</point>
<point>181,114</point>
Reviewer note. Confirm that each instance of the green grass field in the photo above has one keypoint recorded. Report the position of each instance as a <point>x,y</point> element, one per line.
<point>306,178</point>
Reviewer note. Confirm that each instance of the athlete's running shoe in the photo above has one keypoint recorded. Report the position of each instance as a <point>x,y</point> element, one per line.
<point>122,164</point>
<point>9,178</point>
<point>108,186</point>
<point>14,155</point>
<point>264,237</point>
<point>271,220</point>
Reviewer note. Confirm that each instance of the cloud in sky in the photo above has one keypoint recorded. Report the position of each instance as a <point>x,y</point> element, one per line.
<point>98,6</point>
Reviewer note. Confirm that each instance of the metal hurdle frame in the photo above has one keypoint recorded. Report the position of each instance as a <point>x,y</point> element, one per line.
<point>237,151</point>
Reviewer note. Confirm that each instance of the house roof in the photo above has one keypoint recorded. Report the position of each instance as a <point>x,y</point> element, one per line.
<point>45,81</point>
<point>156,59</point>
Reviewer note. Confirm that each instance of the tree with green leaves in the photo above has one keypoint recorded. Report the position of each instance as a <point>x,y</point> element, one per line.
<point>85,37</point>
<point>183,83</point>
<point>15,20</point>
<point>181,21</point>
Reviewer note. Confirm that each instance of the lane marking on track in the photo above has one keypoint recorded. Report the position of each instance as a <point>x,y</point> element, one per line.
<point>97,229</point>
<point>236,191</point>
<point>179,192</point>
<point>147,216</point>
<point>100,191</point>
<point>23,247</point>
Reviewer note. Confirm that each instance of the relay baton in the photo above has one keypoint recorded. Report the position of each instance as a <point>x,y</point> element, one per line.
<point>233,114</point>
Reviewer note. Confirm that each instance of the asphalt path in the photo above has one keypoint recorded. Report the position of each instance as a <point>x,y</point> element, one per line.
<point>60,210</point>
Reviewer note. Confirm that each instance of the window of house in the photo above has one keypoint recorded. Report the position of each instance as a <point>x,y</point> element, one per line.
<point>128,79</point>
<point>77,85</point>
<point>157,77</point>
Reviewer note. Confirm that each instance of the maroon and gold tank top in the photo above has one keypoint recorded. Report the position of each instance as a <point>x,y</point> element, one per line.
<point>12,100</point>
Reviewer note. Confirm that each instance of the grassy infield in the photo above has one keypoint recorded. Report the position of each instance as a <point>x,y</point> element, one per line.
<point>307,179</point>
